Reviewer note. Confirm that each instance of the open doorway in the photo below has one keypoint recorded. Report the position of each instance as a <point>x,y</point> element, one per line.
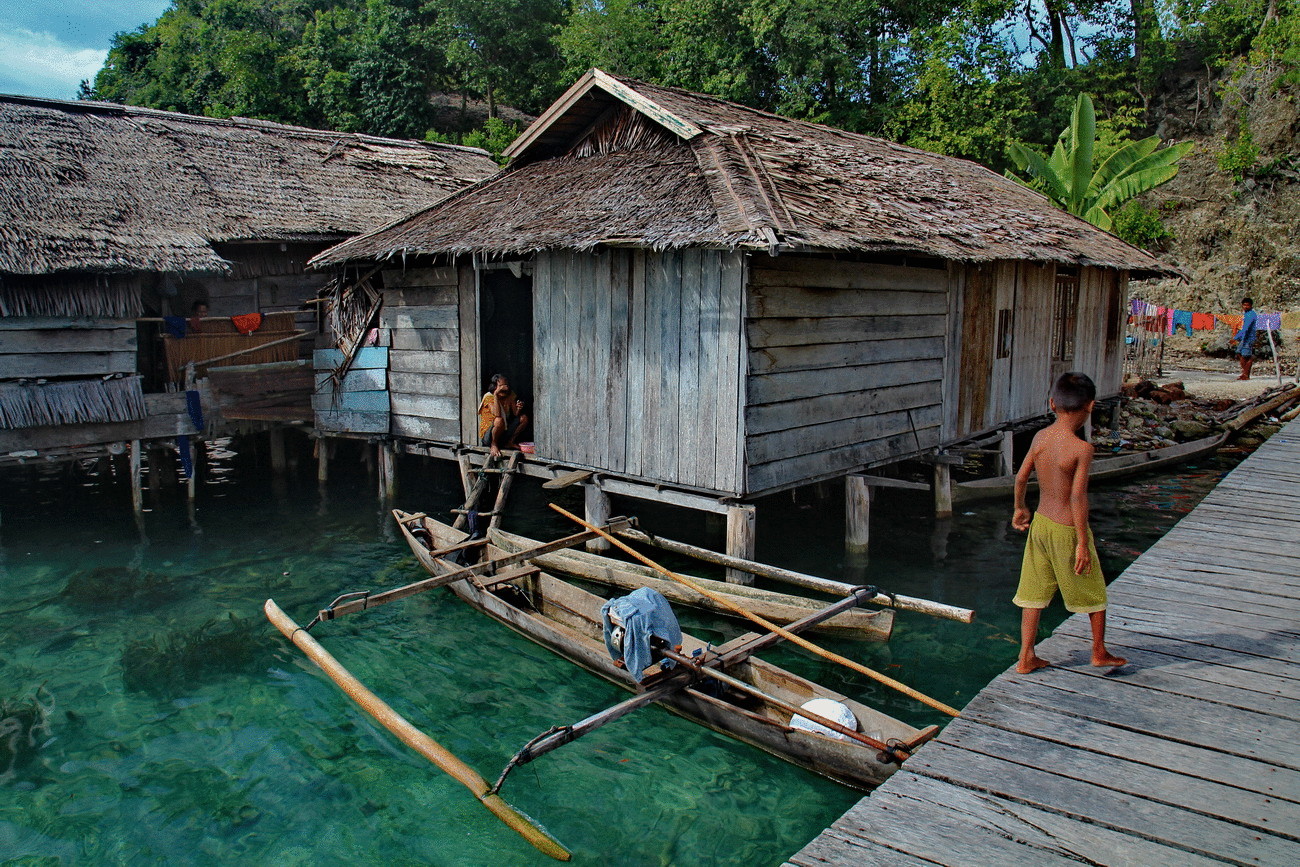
<point>506,331</point>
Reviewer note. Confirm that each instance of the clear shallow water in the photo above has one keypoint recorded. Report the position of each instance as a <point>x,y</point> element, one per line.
<point>177,726</point>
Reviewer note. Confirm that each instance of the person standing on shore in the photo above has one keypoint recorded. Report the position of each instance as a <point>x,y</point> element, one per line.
<point>1244,339</point>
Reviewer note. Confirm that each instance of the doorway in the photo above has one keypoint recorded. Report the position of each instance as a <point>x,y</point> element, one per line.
<point>506,331</point>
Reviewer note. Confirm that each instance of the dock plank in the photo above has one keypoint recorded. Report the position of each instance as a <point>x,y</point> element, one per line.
<point>1189,754</point>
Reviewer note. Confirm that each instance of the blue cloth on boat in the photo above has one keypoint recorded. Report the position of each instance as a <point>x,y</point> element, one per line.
<point>195,407</point>
<point>187,460</point>
<point>1246,336</point>
<point>644,613</point>
<point>175,325</point>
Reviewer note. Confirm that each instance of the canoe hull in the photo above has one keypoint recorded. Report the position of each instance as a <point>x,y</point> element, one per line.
<point>1103,469</point>
<point>565,619</point>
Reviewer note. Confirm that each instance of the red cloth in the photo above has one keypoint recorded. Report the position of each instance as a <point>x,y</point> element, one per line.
<point>247,323</point>
<point>1202,322</point>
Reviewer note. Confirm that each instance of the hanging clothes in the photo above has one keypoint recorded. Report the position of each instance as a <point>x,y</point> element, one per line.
<point>1202,322</point>
<point>247,323</point>
<point>1269,322</point>
<point>174,325</point>
<point>1182,319</point>
<point>1232,320</point>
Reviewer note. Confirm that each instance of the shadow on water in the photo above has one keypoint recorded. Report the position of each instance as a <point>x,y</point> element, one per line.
<point>188,730</point>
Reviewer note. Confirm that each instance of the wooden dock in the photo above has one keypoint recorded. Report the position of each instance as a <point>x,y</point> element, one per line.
<point>1190,755</point>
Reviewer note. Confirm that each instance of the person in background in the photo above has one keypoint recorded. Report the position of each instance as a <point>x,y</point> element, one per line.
<point>1244,339</point>
<point>198,310</point>
<point>1060,551</point>
<point>501,417</point>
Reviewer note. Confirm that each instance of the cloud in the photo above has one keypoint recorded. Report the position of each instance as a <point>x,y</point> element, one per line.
<point>39,64</point>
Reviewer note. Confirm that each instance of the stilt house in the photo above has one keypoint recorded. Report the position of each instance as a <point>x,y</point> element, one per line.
<point>700,297</point>
<point>112,214</point>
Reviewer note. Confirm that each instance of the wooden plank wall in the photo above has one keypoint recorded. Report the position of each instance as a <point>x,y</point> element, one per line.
<point>1099,330</point>
<point>845,366</point>
<point>637,363</point>
<point>1031,355</point>
<point>35,347</point>
<point>362,404</point>
<point>421,320</point>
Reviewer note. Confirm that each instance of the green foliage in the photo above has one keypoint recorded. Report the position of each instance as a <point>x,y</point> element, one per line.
<point>1139,226</point>
<point>494,137</point>
<point>1093,189</point>
<point>1239,156</point>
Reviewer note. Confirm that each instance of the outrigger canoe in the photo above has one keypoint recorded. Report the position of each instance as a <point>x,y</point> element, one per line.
<point>780,608</point>
<point>566,619</point>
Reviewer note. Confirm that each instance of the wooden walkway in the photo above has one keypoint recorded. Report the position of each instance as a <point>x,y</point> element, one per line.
<point>1189,756</point>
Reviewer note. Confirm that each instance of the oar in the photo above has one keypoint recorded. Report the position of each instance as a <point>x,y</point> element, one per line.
<point>413,737</point>
<point>767,624</point>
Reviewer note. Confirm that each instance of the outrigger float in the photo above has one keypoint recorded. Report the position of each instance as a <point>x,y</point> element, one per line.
<point>726,688</point>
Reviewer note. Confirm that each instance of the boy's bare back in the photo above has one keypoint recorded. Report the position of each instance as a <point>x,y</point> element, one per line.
<point>1061,460</point>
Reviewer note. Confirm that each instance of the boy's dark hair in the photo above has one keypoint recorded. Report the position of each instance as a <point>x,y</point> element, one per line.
<point>1248,300</point>
<point>1073,391</point>
<point>496,379</point>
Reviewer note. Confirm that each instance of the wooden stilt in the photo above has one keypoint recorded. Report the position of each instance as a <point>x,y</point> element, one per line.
<point>322,460</point>
<point>857,513</point>
<point>137,494</point>
<point>387,471</point>
<point>155,455</point>
<point>741,527</point>
<point>276,436</point>
<point>942,491</point>
<point>598,510</point>
<point>1008,453</point>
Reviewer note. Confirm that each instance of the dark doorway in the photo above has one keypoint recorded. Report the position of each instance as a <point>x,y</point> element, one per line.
<point>506,331</point>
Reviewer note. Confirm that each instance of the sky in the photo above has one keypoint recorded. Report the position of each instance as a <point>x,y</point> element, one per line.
<point>48,46</point>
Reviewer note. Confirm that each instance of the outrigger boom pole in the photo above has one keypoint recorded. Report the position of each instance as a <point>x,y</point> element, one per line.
<point>413,737</point>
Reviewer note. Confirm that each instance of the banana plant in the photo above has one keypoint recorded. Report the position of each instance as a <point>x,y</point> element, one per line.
<point>1070,179</point>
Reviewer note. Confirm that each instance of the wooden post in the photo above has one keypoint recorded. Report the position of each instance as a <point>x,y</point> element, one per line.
<point>857,513</point>
<point>137,494</point>
<point>387,472</point>
<point>276,436</point>
<point>155,469</point>
<point>942,491</point>
<point>597,512</point>
<point>1008,453</point>
<point>1277,362</point>
<point>322,460</point>
<point>741,521</point>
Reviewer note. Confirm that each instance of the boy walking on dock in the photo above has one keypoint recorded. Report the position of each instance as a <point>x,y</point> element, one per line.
<point>1060,551</point>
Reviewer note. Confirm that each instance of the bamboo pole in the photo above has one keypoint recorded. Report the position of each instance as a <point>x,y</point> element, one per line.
<point>413,737</point>
<point>767,624</point>
<point>812,582</point>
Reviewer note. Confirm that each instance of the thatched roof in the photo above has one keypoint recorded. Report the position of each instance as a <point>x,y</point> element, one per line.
<point>616,161</point>
<point>94,186</point>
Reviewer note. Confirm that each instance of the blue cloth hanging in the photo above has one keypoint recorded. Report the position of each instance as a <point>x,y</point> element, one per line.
<point>195,407</point>
<point>175,325</point>
<point>187,459</point>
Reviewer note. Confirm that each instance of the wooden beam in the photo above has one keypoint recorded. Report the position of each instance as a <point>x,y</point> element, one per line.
<point>741,521</point>
<point>857,513</point>
<point>597,512</point>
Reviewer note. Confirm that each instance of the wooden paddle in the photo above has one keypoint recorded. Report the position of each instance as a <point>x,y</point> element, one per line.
<point>413,737</point>
<point>766,624</point>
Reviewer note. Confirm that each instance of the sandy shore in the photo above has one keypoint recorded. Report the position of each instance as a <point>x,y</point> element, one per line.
<point>1224,383</point>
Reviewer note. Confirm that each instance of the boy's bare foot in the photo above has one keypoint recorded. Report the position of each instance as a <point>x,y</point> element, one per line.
<point>1028,666</point>
<point>1108,660</point>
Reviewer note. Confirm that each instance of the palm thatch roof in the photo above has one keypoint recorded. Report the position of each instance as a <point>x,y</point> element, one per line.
<point>616,161</point>
<point>99,187</point>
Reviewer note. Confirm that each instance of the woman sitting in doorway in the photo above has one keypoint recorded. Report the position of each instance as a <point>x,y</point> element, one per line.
<point>501,418</point>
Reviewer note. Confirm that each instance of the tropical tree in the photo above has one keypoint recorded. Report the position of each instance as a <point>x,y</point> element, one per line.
<point>1071,178</point>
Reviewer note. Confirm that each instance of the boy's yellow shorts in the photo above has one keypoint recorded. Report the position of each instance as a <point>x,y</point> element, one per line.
<point>1049,563</point>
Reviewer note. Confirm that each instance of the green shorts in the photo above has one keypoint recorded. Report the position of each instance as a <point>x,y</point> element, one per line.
<point>1049,563</point>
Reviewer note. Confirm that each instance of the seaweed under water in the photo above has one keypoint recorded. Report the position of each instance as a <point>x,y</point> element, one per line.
<point>116,585</point>
<point>170,664</point>
<point>24,729</point>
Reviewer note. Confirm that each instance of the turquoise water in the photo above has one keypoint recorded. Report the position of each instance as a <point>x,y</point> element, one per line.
<point>151,715</point>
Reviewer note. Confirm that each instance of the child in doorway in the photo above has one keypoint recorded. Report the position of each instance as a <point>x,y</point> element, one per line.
<point>1060,551</point>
